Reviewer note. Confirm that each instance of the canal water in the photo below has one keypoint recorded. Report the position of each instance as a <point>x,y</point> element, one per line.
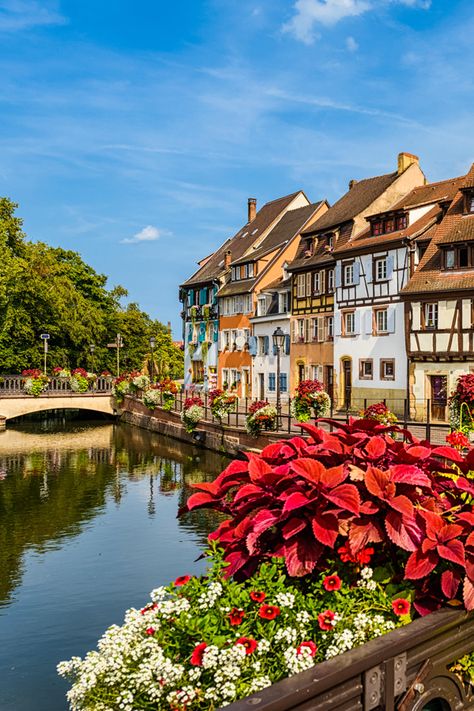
<point>88,528</point>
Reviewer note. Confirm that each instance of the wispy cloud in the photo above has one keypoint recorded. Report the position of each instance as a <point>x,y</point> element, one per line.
<point>351,44</point>
<point>147,234</point>
<point>17,15</point>
<point>311,14</point>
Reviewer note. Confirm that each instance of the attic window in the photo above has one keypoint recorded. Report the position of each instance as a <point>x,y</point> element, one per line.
<point>459,257</point>
<point>471,203</point>
<point>388,224</point>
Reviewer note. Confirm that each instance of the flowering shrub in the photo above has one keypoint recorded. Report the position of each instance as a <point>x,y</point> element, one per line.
<point>380,413</point>
<point>140,381</point>
<point>168,388</point>
<point>461,404</point>
<point>35,382</point>
<point>202,643</point>
<point>152,397</point>
<point>121,387</point>
<point>303,499</point>
<point>192,413</point>
<point>261,415</point>
<point>310,400</point>
<point>59,372</point>
<point>222,402</point>
<point>80,380</point>
<point>106,374</point>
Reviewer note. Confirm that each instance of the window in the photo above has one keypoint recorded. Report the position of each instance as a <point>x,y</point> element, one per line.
<point>330,280</point>
<point>401,222</point>
<point>314,329</point>
<point>225,378</point>
<point>226,339</point>
<point>300,331</point>
<point>261,306</point>
<point>387,369</point>
<point>271,382</point>
<point>388,224</point>
<point>463,253</point>
<point>301,286</point>
<point>245,270</point>
<point>381,325</point>
<point>283,382</point>
<point>459,257</point>
<point>261,345</point>
<point>349,323</point>
<point>329,328</point>
<point>366,369</point>
<point>248,306</point>
<point>234,273</point>
<point>251,270</point>
<point>449,260</point>
<point>317,283</point>
<point>330,241</point>
<point>283,302</point>
<point>381,269</point>
<point>471,203</point>
<point>348,274</point>
<point>233,338</point>
<point>377,227</point>
<point>430,313</point>
<point>247,336</point>
<point>320,329</point>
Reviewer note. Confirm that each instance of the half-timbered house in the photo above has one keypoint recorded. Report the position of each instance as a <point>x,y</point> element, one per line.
<point>314,311</point>
<point>439,306</point>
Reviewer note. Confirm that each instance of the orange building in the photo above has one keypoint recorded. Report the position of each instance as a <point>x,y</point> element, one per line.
<point>250,274</point>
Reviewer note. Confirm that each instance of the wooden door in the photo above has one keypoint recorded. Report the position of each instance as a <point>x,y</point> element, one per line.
<point>347,382</point>
<point>439,397</point>
<point>329,380</point>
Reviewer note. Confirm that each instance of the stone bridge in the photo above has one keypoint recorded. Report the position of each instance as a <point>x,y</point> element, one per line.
<point>14,401</point>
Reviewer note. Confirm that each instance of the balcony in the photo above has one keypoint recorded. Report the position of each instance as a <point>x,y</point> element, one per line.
<point>207,312</point>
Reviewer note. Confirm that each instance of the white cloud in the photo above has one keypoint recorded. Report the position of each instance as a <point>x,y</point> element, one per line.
<point>17,15</point>
<point>311,13</point>
<point>351,44</point>
<point>147,234</point>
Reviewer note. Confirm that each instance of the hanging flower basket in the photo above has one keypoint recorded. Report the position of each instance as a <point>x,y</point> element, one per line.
<point>222,403</point>
<point>35,382</point>
<point>193,413</point>
<point>262,416</point>
<point>310,400</point>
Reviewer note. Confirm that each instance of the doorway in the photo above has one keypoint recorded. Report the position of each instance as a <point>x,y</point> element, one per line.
<point>329,381</point>
<point>438,396</point>
<point>300,372</point>
<point>347,382</point>
<point>246,389</point>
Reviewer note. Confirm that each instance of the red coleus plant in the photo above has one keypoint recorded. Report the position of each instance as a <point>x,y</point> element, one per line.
<point>356,491</point>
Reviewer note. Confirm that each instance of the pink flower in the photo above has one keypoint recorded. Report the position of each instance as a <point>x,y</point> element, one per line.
<point>332,582</point>
<point>197,655</point>
<point>401,606</point>
<point>325,620</point>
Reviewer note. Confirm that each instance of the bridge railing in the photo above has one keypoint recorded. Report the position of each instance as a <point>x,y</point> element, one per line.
<point>13,386</point>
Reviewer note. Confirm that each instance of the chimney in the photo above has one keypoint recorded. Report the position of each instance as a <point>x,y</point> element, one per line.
<point>252,205</point>
<point>405,160</point>
<point>352,183</point>
<point>169,327</point>
<point>227,259</point>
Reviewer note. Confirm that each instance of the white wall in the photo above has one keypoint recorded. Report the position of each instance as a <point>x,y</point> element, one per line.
<point>267,364</point>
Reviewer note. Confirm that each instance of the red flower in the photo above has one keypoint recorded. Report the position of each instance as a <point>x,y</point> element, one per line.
<point>332,582</point>
<point>182,580</point>
<point>307,645</point>
<point>249,644</point>
<point>236,616</point>
<point>345,554</point>
<point>401,606</point>
<point>257,596</point>
<point>197,655</point>
<point>148,608</point>
<point>150,631</point>
<point>364,556</point>
<point>325,620</point>
<point>269,612</point>
<point>458,440</point>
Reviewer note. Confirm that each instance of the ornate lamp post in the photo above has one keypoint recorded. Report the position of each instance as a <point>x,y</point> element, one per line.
<point>92,350</point>
<point>278,338</point>
<point>152,364</point>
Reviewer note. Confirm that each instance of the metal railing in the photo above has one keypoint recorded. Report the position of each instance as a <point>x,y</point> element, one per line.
<point>13,386</point>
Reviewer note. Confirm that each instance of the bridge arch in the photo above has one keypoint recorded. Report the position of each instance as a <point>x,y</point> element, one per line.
<point>24,405</point>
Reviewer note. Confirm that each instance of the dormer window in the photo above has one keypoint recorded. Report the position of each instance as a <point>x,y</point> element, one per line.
<point>392,223</point>
<point>459,257</point>
<point>377,228</point>
<point>469,201</point>
<point>330,241</point>
<point>401,222</point>
<point>308,248</point>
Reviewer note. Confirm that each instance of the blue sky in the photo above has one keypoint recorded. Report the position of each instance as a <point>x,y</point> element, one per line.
<point>134,132</point>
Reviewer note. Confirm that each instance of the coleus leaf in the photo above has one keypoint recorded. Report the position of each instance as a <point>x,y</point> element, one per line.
<point>420,565</point>
<point>448,453</point>
<point>198,500</point>
<point>301,556</point>
<point>409,474</point>
<point>404,532</point>
<point>346,496</point>
<point>375,447</point>
<point>468,594</point>
<point>325,528</point>
<point>293,526</point>
<point>452,550</point>
<point>450,580</point>
<point>309,469</point>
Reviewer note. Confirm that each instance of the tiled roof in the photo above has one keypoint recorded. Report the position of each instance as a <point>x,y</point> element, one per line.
<point>429,277</point>
<point>321,257</point>
<point>241,242</point>
<point>243,286</point>
<point>290,225</point>
<point>463,231</point>
<point>426,194</point>
<point>355,201</point>
<point>366,240</point>
<point>469,179</point>
<point>279,283</point>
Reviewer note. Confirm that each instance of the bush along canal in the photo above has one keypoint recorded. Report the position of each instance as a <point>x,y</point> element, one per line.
<point>341,577</point>
<point>87,524</point>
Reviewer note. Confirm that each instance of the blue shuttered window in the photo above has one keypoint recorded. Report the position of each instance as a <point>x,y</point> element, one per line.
<point>283,382</point>
<point>271,382</point>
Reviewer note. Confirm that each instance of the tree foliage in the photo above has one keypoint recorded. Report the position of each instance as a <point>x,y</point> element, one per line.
<point>45,289</point>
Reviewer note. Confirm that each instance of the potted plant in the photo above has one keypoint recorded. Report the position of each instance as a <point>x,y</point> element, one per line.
<point>222,403</point>
<point>168,390</point>
<point>380,413</point>
<point>192,413</point>
<point>35,381</point>
<point>310,400</point>
<point>262,416</point>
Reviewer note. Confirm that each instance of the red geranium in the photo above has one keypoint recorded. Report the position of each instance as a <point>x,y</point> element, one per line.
<point>236,616</point>
<point>458,440</point>
<point>197,655</point>
<point>182,580</point>
<point>191,401</point>
<point>325,620</point>
<point>257,596</point>
<point>249,644</point>
<point>150,631</point>
<point>332,582</point>
<point>269,612</point>
<point>307,645</point>
<point>401,606</point>
<point>257,406</point>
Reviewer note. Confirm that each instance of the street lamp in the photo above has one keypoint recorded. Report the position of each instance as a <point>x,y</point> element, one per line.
<point>278,338</point>
<point>152,364</point>
<point>92,349</point>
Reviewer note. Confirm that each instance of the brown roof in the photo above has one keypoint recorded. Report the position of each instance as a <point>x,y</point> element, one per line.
<point>241,242</point>
<point>418,228</point>
<point>444,190</point>
<point>288,227</point>
<point>355,201</point>
<point>463,231</point>
<point>469,179</point>
<point>279,283</point>
<point>321,256</point>
<point>243,286</point>
<point>429,277</point>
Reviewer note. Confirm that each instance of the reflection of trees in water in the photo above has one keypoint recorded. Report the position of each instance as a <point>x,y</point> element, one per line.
<point>48,494</point>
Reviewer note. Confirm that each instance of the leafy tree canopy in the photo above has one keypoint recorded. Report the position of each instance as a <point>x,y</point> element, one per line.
<point>52,290</point>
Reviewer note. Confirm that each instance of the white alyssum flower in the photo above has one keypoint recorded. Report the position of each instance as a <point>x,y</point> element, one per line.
<point>285,600</point>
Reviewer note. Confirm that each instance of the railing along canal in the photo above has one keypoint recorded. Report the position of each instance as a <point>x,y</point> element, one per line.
<point>13,386</point>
